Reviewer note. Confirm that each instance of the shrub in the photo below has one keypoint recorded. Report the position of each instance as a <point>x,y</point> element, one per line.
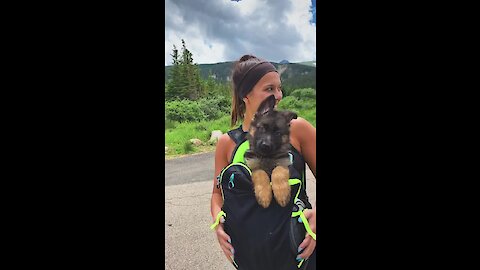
<point>214,107</point>
<point>187,147</point>
<point>290,103</point>
<point>299,100</point>
<point>183,110</point>
<point>169,124</point>
<point>194,111</point>
<point>201,127</point>
<point>304,93</point>
<point>308,104</point>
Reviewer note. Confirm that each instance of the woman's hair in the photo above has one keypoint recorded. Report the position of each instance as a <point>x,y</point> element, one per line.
<point>243,84</point>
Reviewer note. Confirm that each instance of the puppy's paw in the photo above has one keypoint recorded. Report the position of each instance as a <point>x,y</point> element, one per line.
<point>262,188</point>
<point>280,186</point>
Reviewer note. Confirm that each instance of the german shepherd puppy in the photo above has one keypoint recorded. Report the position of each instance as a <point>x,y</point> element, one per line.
<point>269,138</point>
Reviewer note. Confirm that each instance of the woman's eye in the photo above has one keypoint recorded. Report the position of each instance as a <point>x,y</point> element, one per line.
<point>270,88</point>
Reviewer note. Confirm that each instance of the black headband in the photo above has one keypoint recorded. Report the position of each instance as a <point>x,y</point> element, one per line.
<point>252,76</point>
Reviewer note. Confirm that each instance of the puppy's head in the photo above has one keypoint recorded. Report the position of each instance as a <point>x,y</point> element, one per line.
<point>269,132</point>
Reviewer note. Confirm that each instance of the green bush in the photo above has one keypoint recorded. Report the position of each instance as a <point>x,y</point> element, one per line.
<point>309,104</point>
<point>200,110</point>
<point>169,124</point>
<point>214,107</point>
<point>201,127</point>
<point>295,104</point>
<point>187,147</point>
<point>304,93</point>
<point>183,110</point>
<point>289,103</point>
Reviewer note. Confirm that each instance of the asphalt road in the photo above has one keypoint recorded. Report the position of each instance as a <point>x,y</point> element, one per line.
<point>189,169</point>
<point>189,242</point>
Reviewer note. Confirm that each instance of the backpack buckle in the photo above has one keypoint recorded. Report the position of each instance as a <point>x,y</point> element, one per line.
<point>218,181</point>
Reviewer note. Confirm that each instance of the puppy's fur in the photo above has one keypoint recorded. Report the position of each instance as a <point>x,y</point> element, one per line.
<point>269,138</point>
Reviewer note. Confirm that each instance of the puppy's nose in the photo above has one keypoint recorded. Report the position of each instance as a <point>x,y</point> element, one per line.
<point>264,147</point>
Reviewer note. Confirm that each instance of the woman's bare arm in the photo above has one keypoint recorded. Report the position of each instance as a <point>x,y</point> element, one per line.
<point>306,135</point>
<point>222,151</point>
<point>221,161</point>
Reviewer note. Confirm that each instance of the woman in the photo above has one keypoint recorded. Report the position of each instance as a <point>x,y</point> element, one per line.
<point>253,81</point>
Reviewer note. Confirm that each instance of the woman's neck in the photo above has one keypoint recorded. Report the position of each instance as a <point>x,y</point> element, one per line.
<point>247,119</point>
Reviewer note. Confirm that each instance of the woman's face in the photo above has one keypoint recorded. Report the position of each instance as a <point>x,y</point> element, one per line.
<point>268,85</point>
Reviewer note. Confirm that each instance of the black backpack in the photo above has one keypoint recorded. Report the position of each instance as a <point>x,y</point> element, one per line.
<point>263,239</point>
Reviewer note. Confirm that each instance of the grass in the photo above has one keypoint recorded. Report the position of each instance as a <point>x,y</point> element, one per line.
<point>178,135</point>
<point>178,138</point>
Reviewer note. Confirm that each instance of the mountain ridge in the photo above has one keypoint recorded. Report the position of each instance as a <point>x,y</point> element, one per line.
<point>294,75</point>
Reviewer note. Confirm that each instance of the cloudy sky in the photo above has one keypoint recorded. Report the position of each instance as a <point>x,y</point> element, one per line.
<point>223,30</point>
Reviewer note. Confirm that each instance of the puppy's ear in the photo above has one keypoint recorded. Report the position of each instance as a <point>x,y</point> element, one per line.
<point>289,115</point>
<point>266,105</point>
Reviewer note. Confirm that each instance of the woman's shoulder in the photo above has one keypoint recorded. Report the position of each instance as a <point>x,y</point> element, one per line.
<point>298,122</point>
<point>301,131</point>
<point>299,126</point>
<point>224,147</point>
<point>223,141</point>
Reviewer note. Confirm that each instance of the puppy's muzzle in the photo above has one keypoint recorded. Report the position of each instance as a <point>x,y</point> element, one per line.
<point>264,147</point>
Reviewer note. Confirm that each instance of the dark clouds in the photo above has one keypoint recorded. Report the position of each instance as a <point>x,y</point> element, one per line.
<point>266,30</point>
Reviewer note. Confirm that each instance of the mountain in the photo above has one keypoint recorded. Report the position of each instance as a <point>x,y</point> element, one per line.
<point>309,63</point>
<point>294,75</point>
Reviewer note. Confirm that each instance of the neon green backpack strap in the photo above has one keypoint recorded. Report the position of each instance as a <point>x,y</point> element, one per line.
<point>217,221</point>
<point>294,181</point>
<point>300,213</point>
<point>240,152</point>
<point>305,223</point>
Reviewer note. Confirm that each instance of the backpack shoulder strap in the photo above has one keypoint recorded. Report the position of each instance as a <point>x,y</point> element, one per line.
<point>240,138</point>
<point>237,135</point>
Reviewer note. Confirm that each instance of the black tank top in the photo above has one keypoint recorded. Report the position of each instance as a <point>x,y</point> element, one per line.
<point>239,136</point>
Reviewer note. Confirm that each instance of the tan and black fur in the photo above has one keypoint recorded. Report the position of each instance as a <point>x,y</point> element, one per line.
<point>269,138</point>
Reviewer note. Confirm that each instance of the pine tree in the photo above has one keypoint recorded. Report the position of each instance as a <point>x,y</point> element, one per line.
<point>173,85</point>
<point>184,81</point>
<point>191,73</point>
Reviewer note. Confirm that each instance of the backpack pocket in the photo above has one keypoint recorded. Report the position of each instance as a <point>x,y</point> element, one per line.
<point>235,180</point>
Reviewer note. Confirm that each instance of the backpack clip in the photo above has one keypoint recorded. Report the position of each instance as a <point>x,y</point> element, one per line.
<point>218,181</point>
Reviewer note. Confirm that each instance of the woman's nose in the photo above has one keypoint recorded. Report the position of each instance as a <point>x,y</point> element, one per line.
<point>278,94</point>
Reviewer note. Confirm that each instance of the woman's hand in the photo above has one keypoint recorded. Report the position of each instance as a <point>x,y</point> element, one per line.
<point>224,241</point>
<point>308,245</point>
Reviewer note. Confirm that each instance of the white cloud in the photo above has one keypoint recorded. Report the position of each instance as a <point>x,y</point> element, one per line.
<point>299,17</point>
<point>247,7</point>
<point>219,30</point>
<point>203,52</point>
